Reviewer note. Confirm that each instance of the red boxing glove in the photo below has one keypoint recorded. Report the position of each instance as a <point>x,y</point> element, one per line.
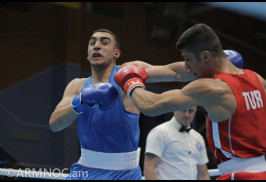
<point>130,77</point>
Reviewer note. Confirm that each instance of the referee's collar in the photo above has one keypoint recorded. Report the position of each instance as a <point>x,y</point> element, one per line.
<point>176,123</point>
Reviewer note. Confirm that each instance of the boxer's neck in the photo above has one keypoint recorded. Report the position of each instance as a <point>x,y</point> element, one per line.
<point>225,66</point>
<point>101,75</point>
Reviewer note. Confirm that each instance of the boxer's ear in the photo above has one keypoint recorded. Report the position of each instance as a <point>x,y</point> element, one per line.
<point>205,56</point>
<point>117,53</point>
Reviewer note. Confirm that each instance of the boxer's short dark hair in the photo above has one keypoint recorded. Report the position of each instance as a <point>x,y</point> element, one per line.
<point>198,38</point>
<point>117,42</point>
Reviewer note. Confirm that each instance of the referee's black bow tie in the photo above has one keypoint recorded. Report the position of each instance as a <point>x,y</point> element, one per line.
<point>184,129</point>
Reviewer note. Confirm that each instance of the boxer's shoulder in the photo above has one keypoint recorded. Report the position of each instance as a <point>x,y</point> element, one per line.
<point>207,90</point>
<point>76,85</point>
<point>202,85</point>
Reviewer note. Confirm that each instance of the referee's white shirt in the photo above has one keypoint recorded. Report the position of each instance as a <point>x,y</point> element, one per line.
<point>179,152</point>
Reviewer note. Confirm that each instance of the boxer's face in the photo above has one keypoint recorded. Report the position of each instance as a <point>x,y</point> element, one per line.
<point>102,49</point>
<point>185,117</point>
<point>196,65</point>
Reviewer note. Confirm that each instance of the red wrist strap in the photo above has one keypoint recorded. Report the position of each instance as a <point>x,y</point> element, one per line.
<point>133,83</point>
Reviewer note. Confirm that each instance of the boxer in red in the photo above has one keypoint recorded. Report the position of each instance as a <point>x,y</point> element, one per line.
<point>233,99</point>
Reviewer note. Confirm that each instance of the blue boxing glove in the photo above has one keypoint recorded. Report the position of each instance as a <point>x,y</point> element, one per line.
<point>102,95</point>
<point>77,104</point>
<point>235,58</point>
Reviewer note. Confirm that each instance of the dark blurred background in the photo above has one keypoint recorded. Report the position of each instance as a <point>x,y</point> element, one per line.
<point>43,46</point>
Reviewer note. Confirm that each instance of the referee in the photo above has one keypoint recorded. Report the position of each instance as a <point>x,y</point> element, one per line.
<point>174,151</point>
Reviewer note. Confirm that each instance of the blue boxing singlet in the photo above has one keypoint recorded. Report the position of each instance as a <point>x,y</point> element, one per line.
<point>105,132</point>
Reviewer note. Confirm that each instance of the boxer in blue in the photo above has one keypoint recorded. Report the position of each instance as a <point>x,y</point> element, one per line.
<point>108,122</point>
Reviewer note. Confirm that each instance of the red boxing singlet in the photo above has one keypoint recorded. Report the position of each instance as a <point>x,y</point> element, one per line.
<point>244,134</point>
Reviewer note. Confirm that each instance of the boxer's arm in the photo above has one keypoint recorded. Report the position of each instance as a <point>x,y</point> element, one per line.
<point>139,63</point>
<point>170,73</point>
<point>202,173</point>
<point>205,92</point>
<point>63,115</point>
<point>165,73</point>
<point>150,163</point>
<point>130,77</point>
<point>213,94</point>
<point>177,71</point>
<point>152,104</point>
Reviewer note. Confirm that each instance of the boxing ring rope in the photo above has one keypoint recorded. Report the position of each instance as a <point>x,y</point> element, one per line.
<point>19,173</point>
